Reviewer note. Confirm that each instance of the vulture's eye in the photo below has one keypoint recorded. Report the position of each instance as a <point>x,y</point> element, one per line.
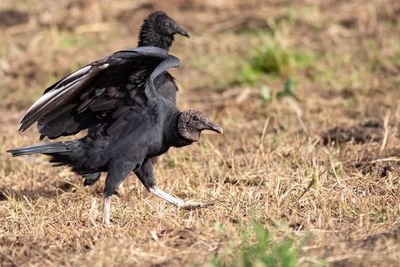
<point>166,24</point>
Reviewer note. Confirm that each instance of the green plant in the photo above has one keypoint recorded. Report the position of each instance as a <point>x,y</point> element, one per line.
<point>273,60</point>
<point>287,90</point>
<point>259,247</point>
<point>274,56</point>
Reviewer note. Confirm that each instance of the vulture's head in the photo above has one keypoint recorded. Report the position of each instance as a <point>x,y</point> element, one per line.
<point>158,30</point>
<point>192,122</point>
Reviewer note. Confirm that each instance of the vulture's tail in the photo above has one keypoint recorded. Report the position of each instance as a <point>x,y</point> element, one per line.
<point>51,148</point>
<point>71,153</point>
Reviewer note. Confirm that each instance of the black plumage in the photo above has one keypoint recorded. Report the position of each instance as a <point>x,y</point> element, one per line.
<point>139,126</point>
<point>158,30</point>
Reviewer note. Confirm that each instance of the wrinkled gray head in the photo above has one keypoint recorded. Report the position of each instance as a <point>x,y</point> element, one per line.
<point>158,30</point>
<point>192,122</point>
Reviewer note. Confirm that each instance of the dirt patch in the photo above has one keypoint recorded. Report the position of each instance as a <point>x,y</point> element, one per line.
<point>378,168</point>
<point>378,243</point>
<point>6,193</point>
<point>372,240</point>
<point>377,163</point>
<point>371,131</point>
<point>9,18</point>
<point>26,249</point>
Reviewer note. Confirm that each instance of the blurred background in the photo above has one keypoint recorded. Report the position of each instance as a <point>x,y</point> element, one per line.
<point>306,91</point>
<point>233,44</point>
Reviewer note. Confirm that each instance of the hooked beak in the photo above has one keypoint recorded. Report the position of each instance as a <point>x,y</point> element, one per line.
<point>214,127</point>
<point>181,31</point>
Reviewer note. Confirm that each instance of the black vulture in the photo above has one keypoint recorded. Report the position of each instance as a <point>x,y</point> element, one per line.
<point>133,125</point>
<point>158,29</point>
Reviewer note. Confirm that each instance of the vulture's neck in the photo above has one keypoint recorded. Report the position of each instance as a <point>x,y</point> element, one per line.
<point>172,135</point>
<point>149,37</point>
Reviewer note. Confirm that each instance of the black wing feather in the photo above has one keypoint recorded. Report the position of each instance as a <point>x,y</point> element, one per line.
<point>100,86</point>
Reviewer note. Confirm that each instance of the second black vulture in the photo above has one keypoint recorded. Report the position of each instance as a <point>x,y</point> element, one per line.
<point>136,129</point>
<point>158,29</point>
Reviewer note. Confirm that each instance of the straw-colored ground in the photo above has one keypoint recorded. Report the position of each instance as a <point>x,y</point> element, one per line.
<point>316,165</point>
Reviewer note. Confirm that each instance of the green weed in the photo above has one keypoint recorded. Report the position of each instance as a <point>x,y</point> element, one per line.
<point>273,58</point>
<point>287,90</point>
<point>260,247</point>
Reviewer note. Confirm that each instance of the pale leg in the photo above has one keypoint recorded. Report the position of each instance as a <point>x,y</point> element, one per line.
<point>177,201</point>
<point>106,211</point>
<point>146,176</point>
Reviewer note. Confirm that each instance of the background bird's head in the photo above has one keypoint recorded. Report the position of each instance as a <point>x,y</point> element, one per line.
<point>158,30</point>
<point>192,122</point>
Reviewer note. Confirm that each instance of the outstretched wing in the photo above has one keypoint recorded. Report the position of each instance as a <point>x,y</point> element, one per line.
<point>87,96</point>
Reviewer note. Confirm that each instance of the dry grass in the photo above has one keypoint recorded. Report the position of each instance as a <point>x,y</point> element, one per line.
<point>340,203</point>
